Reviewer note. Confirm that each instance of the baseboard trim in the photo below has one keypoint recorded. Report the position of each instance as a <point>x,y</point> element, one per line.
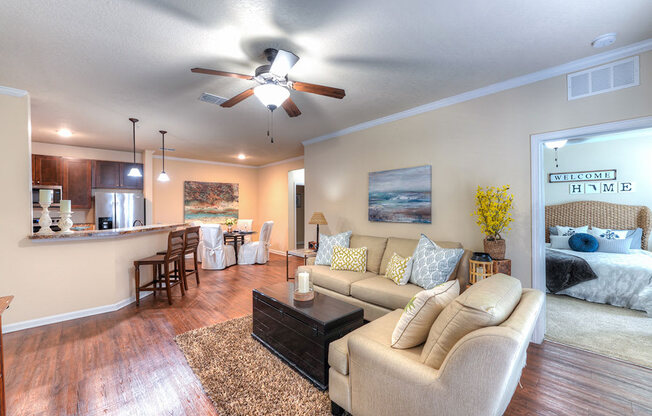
<point>279,252</point>
<point>53,319</point>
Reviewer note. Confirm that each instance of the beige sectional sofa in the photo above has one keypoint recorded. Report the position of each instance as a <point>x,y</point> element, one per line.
<point>370,290</point>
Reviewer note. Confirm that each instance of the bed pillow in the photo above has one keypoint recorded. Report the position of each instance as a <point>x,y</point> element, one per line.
<point>608,233</point>
<point>618,245</point>
<point>583,242</point>
<point>568,231</point>
<point>636,235</point>
<point>326,244</point>
<point>560,242</point>
<point>432,265</point>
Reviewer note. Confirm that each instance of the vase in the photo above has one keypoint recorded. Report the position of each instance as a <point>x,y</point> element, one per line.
<point>229,228</point>
<point>495,248</point>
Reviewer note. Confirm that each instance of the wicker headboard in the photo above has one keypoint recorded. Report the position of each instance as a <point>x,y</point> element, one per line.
<point>602,215</point>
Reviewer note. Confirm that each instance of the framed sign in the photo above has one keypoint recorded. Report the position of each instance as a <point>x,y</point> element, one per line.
<point>589,175</point>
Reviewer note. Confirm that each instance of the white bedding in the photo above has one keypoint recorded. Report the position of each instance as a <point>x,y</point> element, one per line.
<point>623,279</point>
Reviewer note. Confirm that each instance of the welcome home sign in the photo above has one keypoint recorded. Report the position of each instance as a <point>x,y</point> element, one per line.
<point>589,175</point>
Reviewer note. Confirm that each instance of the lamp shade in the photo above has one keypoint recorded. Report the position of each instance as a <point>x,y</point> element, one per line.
<point>318,218</point>
<point>135,172</point>
<point>271,95</point>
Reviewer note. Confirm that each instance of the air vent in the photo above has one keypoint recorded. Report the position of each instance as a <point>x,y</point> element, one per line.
<point>610,77</point>
<point>211,98</point>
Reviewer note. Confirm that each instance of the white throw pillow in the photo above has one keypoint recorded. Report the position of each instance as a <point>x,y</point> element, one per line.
<point>326,244</point>
<point>560,241</point>
<point>568,231</point>
<point>432,265</point>
<point>421,311</point>
<point>614,245</point>
<point>608,233</point>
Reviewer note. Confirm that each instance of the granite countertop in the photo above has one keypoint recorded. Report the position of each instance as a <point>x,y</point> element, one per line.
<point>117,232</point>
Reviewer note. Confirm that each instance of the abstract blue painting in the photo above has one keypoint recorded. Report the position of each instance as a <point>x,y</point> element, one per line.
<point>401,195</point>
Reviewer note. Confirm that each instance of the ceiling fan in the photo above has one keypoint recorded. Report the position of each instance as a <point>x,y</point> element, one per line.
<point>274,88</point>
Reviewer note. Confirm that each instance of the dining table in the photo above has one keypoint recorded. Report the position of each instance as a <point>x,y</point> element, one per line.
<point>236,237</point>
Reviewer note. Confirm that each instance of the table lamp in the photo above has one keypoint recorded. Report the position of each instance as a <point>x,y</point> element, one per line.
<point>318,219</point>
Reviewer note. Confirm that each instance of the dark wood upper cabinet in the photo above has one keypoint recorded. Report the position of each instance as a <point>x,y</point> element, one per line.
<point>77,183</point>
<point>46,170</point>
<point>106,174</point>
<point>131,182</point>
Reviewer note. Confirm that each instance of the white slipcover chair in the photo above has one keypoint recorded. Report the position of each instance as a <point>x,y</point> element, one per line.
<point>258,251</point>
<point>215,254</point>
<point>200,246</point>
<point>245,225</point>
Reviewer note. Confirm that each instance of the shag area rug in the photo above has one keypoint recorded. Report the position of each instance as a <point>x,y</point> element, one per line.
<point>243,378</point>
<point>616,332</point>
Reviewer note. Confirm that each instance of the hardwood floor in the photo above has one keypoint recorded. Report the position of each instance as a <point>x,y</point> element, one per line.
<point>127,363</point>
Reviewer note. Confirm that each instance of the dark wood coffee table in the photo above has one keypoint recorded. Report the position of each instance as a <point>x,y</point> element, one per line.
<point>299,332</point>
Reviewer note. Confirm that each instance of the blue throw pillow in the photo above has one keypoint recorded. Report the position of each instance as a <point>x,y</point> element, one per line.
<point>583,242</point>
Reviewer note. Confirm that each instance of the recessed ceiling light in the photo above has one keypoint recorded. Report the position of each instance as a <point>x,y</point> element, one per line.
<point>241,156</point>
<point>604,40</point>
<point>64,132</point>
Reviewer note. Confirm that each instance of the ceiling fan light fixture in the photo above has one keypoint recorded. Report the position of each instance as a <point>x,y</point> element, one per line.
<point>271,95</point>
<point>556,144</point>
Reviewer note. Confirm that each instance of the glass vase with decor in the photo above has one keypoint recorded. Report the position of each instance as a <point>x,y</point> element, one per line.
<point>230,223</point>
<point>493,206</point>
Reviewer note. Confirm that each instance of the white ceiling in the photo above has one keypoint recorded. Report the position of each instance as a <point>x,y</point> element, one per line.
<point>90,65</point>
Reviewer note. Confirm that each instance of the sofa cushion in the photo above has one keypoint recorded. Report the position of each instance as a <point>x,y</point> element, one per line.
<point>384,292</point>
<point>404,247</point>
<point>379,330</point>
<point>420,312</point>
<point>375,249</point>
<point>336,280</point>
<point>487,303</point>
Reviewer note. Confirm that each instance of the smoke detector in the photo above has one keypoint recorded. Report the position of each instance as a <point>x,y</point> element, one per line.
<point>604,40</point>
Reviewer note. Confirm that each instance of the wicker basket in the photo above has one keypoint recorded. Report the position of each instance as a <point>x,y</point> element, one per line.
<point>495,248</point>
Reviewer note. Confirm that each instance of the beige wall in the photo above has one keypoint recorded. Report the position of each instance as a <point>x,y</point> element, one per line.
<point>40,148</point>
<point>274,201</point>
<point>485,141</point>
<point>50,278</point>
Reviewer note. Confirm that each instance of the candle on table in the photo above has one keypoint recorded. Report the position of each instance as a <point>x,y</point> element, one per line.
<point>303,279</point>
<point>65,205</point>
<point>45,196</point>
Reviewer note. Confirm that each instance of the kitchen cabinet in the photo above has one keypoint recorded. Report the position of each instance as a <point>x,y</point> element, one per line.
<point>77,183</point>
<point>130,182</point>
<point>46,170</point>
<point>106,174</point>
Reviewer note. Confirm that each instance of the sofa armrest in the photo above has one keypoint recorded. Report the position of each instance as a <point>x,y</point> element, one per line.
<point>310,261</point>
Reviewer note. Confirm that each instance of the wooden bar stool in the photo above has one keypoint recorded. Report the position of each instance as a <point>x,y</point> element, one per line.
<point>174,254</point>
<point>191,242</point>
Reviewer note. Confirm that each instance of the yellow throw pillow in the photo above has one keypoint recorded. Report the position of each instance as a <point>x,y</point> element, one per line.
<point>420,313</point>
<point>352,259</point>
<point>399,269</point>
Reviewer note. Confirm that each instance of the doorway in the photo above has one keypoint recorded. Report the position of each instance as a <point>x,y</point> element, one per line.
<point>296,205</point>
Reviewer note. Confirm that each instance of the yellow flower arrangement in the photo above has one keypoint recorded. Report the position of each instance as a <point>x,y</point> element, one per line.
<point>493,206</point>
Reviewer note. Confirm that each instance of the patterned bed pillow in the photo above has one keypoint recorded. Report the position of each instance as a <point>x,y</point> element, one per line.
<point>351,259</point>
<point>399,269</point>
<point>568,231</point>
<point>421,311</point>
<point>432,265</point>
<point>609,234</point>
<point>326,244</point>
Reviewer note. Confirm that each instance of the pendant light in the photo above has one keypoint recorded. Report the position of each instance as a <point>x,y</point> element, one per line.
<point>163,177</point>
<point>135,171</point>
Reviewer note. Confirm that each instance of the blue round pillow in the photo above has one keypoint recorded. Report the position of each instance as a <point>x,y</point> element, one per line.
<point>583,242</point>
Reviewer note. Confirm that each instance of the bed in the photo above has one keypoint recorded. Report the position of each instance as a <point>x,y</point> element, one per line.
<point>620,279</point>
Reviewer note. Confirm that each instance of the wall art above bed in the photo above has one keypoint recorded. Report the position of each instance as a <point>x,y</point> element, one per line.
<point>401,195</point>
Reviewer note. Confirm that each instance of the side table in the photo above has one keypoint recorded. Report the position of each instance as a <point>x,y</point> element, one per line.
<point>303,253</point>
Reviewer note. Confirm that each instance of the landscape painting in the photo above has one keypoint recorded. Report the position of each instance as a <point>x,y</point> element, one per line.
<point>210,202</point>
<point>401,195</point>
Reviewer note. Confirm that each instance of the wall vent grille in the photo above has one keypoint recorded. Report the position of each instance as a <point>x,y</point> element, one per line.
<point>211,98</point>
<point>605,78</point>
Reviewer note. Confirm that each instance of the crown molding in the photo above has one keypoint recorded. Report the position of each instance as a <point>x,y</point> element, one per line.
<point>572,66</point>
<point>14,92</point>
<point>234,165</point>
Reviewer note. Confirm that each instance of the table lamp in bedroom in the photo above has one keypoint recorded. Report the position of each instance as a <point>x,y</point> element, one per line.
<point>318,219</point>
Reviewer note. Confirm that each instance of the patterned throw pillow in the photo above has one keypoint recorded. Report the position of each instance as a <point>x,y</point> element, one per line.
<point>326,244</point>
<point>568,231</point>
<point>352,259</point>
<point>399,269</point>
<point>609,234</point>
<point>432,265</point>
<point>421,311</point>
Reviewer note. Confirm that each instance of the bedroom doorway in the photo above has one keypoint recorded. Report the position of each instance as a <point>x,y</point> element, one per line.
<point>597,175</point>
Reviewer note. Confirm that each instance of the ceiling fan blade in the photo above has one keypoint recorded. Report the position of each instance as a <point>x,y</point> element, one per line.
<point>240,97</point>
<point>283,62</point>
<point>220,73</point>
<point>291,108</point>
<point>318,89</point>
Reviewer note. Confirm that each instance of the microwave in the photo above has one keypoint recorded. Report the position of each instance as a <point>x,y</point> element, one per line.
<point>57,194</point>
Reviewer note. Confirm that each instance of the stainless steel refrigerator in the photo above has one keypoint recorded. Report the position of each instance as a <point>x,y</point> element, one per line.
<point>119,209</point>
